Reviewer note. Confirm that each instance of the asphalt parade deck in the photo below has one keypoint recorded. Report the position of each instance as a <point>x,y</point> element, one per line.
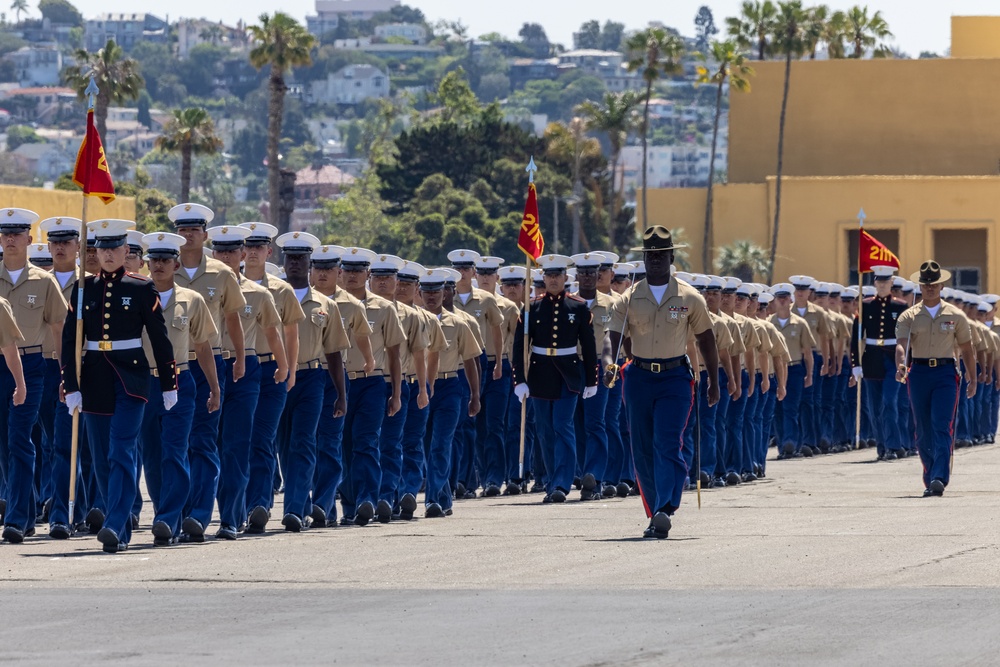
<point>830,560</point>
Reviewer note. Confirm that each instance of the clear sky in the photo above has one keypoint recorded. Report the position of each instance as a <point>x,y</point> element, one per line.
<point>919,25</point>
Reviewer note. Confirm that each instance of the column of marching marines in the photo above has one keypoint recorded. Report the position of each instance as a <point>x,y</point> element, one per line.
<point>346,386</point>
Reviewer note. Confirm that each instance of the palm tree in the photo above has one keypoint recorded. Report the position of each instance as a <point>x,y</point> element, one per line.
<point>281,43</point>
<point>753,27</point>
<point>570,144</point>
<point>656,53</point>
<point>834,33</point>
<point>19,6</point>
<point>742,259</point>
<point>118,80</point>
<point>867,32</point>
<point>732,65</point>
<point>190,132</point>
<point>615,117</point>
<point>791,40</point>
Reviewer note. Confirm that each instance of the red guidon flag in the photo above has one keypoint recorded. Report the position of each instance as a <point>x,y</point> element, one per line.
<point>91,172</point>
<point>530,239</point>
<point>874,253</point>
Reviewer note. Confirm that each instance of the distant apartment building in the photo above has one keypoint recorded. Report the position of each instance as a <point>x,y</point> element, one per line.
<point>413,33</point>
<point>44,161</point>
<point>41,104</point>
<point>329,12</point>
<point>682,166</point>
<point>192,32</point>
<point>609,66</point>
<point>351,85</point>
<point>37,65</point>
<point>523,70</point>
<point>126,29</point>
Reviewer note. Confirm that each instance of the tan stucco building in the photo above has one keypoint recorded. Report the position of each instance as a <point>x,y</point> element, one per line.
<point>54,203</point>
<point>915,143</point>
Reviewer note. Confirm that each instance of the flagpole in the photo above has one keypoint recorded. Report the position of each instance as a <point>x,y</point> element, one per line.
<point>861,321</point>
<point>74,452</point>
<point>531,169</point>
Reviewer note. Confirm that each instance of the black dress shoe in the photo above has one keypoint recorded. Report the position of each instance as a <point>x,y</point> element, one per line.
<point>46,509</point>
<point>60,531</point>
<point>890,455</point>
<point>732,479</point>
<point>407,506</point>
<point>706,479</point>
<point>928,493</point>
<point>538,487</point>
<point>95,520</point>
<point>872,443</point>
<point>365,513</point>
<point>459,490</point>
<point>135,521</point>
<point>661,525</point>
<point>162,534</point>
<point>577,482</point>
<point>622,490</point>
<point>589,482</point>
<point>717,483</point>
<point>226,533</point>
<point>347,521</point>
<point>787,449</point>
<point>449,512</point>
<point>491,491</point>
<point>258,520</point>
<point>469,495</point>
<point>806,451</point>
<point>512,489</point>
<point>13,534</point>
<point>558,496</point>
<point>292,523</point>
<point>433,511</point>
<point>194,529</point>
<point>608,491</point>
<point>383,513</point>
<point>749,477</point>
<point>634,490</point>
<point>937,487</point>
<point>109,539</point>
<point>318,517</point>
<point>649,533</point>
<point>29,532</point>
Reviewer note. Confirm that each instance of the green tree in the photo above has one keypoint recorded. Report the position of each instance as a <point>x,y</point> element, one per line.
<point>612,35</point>
<point>569,144</point>
<point>704,27</point>
<point>151,205</point>
<point>189,132</point>
<point>790,40</point>
<point>534,37</point>
<point>616,116</point>
<point>17,135</point>
<point>754,26</point>
<point>60,11</point>
<point>281,43</point>
<point>656,53</point>
<point>743,260</point>
<point>867,32</point>
<point>588,37</point>
<point>118,79</point>
<point>19,7</point>
<point>728,64</point>
<point>143,105</point>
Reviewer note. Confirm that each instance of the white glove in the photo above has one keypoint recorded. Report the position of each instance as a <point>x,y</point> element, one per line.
<point>74,401</point>
<point>589,392</point>
<point>856,372</point>
<point>169,399</point>
<point>521,391</point>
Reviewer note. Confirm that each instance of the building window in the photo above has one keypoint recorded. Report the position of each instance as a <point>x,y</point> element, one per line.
<point>965,278</point>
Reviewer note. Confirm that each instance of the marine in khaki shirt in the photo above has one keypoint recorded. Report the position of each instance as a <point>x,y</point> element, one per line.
<point>324,276</point>
<point>220,288</point>
<point>10,336</point>
<point>259,316</point>
<point>659,330</point>
<point>735,348</point>
<point>35,300</point>
<point>482,306</point>
<point>321,332</point>
<point>189,325</point>
<point>291,316</point>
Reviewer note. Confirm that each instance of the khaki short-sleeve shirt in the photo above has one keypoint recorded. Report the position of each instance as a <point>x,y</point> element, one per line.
<point>288,307</point>
<point>386,332</point>
<point>933,337</point>
<point>482,306</point>
<point>9,333</point>
<point>416,336</point>
<point>220,289</point>
<point>188,324</point>
<point>660,330</point>
<point>819,324</point>
<point>36,302</point>
<point>322,330</point>
<point>797,334</point>
<point>462,345</point>
<point>258,313</point>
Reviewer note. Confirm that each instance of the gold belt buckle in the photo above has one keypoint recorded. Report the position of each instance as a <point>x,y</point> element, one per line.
<point>655,367</point>
<point>932,363</point>
<point>880,342</point>
<point>104,345</point>
<point>550,352</point>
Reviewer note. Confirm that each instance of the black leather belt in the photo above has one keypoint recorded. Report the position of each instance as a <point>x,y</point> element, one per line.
<point>29,349</point>
<point>934,363</point>
<point>659,365</point>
